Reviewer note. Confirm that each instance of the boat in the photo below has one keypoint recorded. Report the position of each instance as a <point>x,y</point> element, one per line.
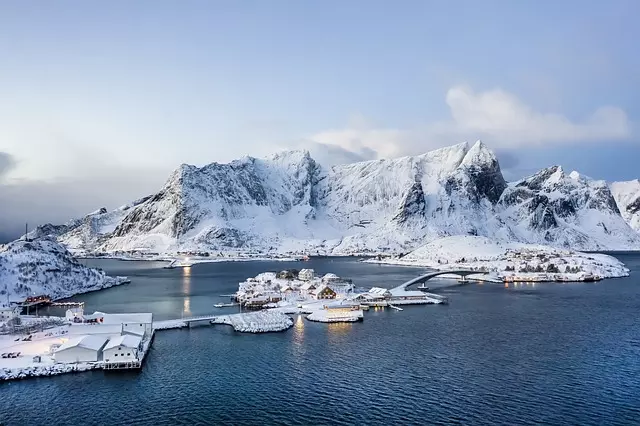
<point>171,265</point>
<point>224,305</point>
<point>397,308</point>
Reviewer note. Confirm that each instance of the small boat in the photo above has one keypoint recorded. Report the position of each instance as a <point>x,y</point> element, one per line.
<point>224,305</point>
<point>397,308</point>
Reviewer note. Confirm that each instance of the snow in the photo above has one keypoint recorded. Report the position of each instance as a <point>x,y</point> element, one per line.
<point>44,267</point>
<point>288,203</point>
<point>256,322</point>
<point>509,260</point>
<point>92,342</point>
<point>125,340</point>
<point>627,196</point>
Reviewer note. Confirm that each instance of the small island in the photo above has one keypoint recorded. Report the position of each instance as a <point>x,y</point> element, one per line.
<point>325,298</point>
<point>510,262</point>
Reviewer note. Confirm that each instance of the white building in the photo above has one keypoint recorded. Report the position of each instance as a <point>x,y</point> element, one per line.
<point>138,324</point>
<point>80,349</point>
<point>327,278</point>
<point>379,293</point>
<point>306,274</point>
<point>7,313</point>
<point>307,287</point>
<point>75,313</point>
<point>122,348</point>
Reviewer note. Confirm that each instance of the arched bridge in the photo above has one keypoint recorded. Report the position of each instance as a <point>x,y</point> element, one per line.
<point>426,277</point>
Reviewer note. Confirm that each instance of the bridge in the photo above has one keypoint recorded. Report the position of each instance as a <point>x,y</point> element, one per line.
<point>426,277</point>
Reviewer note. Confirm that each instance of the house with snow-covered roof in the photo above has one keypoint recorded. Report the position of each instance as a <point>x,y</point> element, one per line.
<point>122,348</point>
<point>324,292</point>
<point>327,278</point>
<point>308,287</point>
<point>379,293</point>
<point>80,349</point>
<point>306,274</point>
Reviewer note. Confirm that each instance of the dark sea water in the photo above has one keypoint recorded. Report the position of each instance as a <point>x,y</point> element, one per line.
<point>544,353</point>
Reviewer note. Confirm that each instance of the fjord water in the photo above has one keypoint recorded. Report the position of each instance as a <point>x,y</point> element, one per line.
<point>552,353</point>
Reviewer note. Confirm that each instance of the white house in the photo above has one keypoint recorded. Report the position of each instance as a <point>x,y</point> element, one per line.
<point>306,274</point>
<point>75,313</point>
<point>122,348</point>
<point>327,278</point>
<point>80,349</point>
<point>307,287</point>
<point>7,313</point>
<point>379,293</point>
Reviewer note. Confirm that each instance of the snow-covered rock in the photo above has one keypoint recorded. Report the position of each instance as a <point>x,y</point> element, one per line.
<point>46,370</point>
<point>45,267</point>
<point>565,210</point>
<point>508,260</point>
<point>289,203</point>
<point>627,196</point>
<point>257,322</point>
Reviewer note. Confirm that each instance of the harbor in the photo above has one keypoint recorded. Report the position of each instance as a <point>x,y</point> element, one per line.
<point>32,345</point>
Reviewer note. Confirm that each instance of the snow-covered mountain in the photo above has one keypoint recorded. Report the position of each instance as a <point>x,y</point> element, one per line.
<point>88,232</point>
<point>288,202</point>
<point>44,267</point>
<point>627,196</point>
<point>568,210</point>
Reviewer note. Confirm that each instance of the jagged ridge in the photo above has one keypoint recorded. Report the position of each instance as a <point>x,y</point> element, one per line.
<point>290,203</point>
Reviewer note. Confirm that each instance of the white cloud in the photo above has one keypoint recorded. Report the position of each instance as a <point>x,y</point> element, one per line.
<point>496,116</point>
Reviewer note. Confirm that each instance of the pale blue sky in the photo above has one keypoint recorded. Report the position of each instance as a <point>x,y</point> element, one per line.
<point>101,92</point>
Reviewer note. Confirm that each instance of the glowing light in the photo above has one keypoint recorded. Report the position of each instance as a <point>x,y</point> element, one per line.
<point>186,290</point>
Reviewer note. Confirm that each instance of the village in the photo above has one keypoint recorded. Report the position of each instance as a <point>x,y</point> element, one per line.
<point>326,298</point>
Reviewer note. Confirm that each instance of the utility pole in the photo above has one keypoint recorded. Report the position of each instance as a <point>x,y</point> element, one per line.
<point>26,231</point>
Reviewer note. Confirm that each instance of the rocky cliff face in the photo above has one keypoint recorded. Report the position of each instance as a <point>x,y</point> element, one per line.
<point>627,197</point>
<point>290,203</point>
<point>568,210</point>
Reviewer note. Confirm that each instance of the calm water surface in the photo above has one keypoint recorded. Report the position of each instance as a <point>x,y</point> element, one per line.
<point>549,353</point>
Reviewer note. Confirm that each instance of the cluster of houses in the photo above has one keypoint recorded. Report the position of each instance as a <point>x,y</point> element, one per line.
<point>116,340</point>
<point>294,288</point>
<point>269,288</point>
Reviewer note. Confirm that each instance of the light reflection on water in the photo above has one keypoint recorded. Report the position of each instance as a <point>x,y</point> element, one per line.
<point>186,290</point>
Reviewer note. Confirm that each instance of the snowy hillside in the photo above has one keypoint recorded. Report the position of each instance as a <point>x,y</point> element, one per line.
<point>627,196</point>
<point>289,203</point>
<point>509,260</point>
<point>44,267</point>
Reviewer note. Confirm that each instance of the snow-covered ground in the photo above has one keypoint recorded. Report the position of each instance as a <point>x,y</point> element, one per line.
<point>45,267</point>
<point>36,349</point>
<point>509,261</point>
<point>39,345</point>
<point>256,322</point>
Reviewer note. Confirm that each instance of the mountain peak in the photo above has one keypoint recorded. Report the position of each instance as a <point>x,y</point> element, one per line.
<point>479,154</point>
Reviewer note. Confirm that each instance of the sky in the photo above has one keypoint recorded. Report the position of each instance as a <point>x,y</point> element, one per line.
<point>99,101</point>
